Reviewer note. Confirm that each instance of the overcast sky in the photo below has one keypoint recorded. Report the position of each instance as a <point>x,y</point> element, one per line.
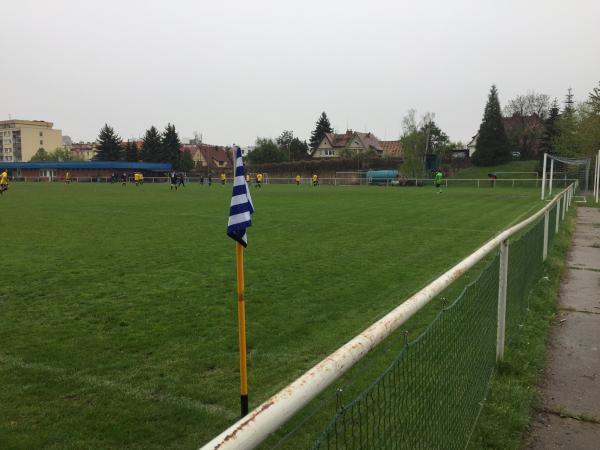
<point>234,70</point>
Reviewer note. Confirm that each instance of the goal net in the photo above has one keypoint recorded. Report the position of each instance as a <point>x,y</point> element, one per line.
<point>350,178</point>
<point>559,172</point>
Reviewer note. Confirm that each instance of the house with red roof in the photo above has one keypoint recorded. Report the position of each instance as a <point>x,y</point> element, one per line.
<point>211,157</point>
<point>348,144</point>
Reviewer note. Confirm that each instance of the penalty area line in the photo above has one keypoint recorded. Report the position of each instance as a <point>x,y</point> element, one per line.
<point>132,391</point>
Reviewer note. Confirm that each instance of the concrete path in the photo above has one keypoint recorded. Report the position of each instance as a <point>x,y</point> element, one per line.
<point>569,409</point>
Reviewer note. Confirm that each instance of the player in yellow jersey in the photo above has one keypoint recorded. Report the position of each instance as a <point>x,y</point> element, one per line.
<point>248,179</point>
<point>3,181</point>
<point>315,180</point>
<point>259,179</point>
<point>223,178</point>
<point>298,180</point>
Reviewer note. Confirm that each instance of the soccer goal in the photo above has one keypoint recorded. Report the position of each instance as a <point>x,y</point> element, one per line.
<point>558,172</point>
<point>350,178</point>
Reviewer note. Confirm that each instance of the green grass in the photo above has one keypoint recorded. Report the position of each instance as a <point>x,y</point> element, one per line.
<point>118,307</point>
<point>506,415</point>
<point>513,166</point>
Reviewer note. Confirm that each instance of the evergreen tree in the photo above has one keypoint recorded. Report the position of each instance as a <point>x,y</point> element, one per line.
<point>135,151</point>
<point>151,146</point>
<point>569,103</point>
<point>321,127</point>
<point>170,146</point>
<point>550,129</point>
<point>109,145</point>
<point>186,163</point>
<point>594,100</point>
<point>131,151</point>
<point>566,142</point>
<point>492,144</point>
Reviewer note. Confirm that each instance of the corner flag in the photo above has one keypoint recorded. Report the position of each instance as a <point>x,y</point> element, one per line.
<point>240,212</point>
<point>241,207</point>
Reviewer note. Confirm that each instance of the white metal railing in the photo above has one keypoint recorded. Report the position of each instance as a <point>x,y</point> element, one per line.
<point>448,182</point>
<point>251,430</point>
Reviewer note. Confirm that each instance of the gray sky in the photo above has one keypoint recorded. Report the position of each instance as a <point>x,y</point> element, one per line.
<point>234,70</point>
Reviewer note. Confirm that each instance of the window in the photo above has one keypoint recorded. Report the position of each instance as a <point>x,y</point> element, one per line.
<point>41,142</point>
<point>329,152</point>
<point>41,133</point>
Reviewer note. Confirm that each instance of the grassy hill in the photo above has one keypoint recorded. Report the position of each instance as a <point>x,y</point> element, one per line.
<point>513,166</point>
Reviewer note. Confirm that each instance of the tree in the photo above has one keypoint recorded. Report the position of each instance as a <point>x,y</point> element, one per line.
<point>321,127</point>
<point>528,105</point>
<point>170,146</point>
<point>266,151</point>
<point>420,138</point>
<point>186,162</point>
<point>413,145</point>
<point>61,154</point>
<point>41,155</point>
<point>298,150</point>
<point>151,145</point>
<point>285,139</point>
<point>131,151</point>
<point>436,141</point>
<point>569,102</point>
<point>550,129</point>
<point>109,145</point>
<point>594,100</point>
<point>492,144</point>
<point>525,124</point>
<point>292,146</point>
<point>588,129</point>
<point>58,154</point>
<point>347,153</point>
<point>566,140</point>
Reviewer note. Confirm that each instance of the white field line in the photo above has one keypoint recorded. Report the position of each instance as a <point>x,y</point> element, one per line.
<point>132,391</point>
<point>392,225</point>
<point>323,222</point>
<point>518,218</point>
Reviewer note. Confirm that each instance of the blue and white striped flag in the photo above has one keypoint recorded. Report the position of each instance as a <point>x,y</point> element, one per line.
<point>241,207</point>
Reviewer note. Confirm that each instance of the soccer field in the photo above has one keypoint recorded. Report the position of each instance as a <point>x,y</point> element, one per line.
<point>118,315</point>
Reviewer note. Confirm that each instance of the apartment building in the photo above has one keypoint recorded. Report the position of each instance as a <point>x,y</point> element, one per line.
<point>21,139</point>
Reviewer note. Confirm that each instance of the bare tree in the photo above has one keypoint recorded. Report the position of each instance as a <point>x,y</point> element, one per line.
<point>525,121</point>
<point>528,105</point>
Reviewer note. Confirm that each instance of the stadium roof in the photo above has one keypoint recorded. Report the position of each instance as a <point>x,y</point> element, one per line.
<point>91,165</point>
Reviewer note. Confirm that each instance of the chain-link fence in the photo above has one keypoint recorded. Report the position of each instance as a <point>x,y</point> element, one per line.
<point>431,395</point>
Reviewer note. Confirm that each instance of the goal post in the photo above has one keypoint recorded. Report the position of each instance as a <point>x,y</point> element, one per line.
<point>597,177</point>
<point>560,171</point>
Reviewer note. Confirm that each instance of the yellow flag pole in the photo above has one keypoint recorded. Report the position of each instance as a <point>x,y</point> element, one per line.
<point>239,253</point>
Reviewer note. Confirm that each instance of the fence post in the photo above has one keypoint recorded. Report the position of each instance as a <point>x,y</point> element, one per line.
<point>558,213</point>
<point>478,182</point>
<point>545,251</point>
<point>502,287</point>
<point>564,209</point>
